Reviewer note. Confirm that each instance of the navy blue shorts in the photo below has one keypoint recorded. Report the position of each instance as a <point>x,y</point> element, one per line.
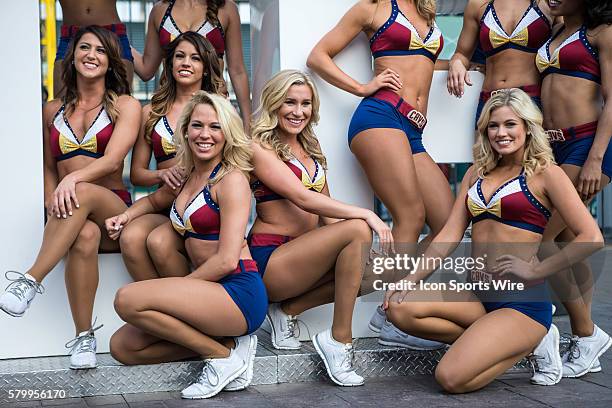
<point>262,246</point>
<point>373,113</point>
<point>68,32</point>
<point>247,289</point>
<point>576,152</point>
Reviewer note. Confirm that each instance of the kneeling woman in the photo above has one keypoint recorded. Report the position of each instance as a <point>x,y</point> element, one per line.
<point>508,195</point>
<point>179,317</point>
<point>305,266</point>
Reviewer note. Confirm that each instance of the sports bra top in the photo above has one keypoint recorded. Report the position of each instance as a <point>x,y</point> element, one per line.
<point>511,204</point>
<point>574,57</point>
<point>531,32</point>
<point>162,140</point>
<point>65,144</point>
<point>201,218</point>
<point>399,37</point>
<point>316,183</point>
<point>169,30</point>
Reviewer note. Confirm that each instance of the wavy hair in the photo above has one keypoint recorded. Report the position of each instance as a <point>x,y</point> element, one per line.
<point>425,8</point>
<point>115,79</point>
<point>212,80</point>
<point>264,128</point>
<point>538,153</point>
<point>597,12</point>
<point>237,151</point>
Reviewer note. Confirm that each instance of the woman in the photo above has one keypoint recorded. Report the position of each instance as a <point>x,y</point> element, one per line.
<point>174,318</point>
<point>216,20</point>
<point>507,195</point>
<point>76,14</point>
<point>576,64</point>
<point>304,265</point>
<point>87,135</point>
<point>190,64</point>
<point>509,33</point>
<point>385,133</point>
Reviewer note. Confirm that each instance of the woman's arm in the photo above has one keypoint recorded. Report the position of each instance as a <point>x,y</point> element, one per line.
<point>277,176</point>
<point>588,238</point>
<point>327,220</point>
<point>147,63</point>
<point>589,180</point>
<point>466,44</point>
<point>234,198</point>
<point>321,57</point>
<point>235,62</point>
<point>49,163</point>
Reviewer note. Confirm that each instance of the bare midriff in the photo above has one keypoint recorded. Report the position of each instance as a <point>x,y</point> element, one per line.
<point>113,181</point>
<point>199,250</point>
<point>510,69</point>
<point>282,217</point>
<point>88,12</point>
<point>568,101</point>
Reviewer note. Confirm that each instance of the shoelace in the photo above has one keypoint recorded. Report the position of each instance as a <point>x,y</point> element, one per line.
<point>349,356</point>
<point>293,327</point>
<point>573,351</point>
<point>20,285</point>
<point>85,341</point>
<point>207,372</point>
<point>533,359</point>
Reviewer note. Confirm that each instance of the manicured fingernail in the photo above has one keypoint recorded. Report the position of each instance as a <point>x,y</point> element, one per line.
<point>70,213</point>
<point>64,215</point>
<point>77,206</point>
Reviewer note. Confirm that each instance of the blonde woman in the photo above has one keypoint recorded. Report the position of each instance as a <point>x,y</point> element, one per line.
<point>508,195</point>
<point>174,318</point>
<point>305,265</point>
<point>148,245</point>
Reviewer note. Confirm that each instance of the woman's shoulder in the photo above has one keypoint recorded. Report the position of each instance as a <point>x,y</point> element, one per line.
<point>128,102</point>
<point>158,10</point>
<point>50,109</point>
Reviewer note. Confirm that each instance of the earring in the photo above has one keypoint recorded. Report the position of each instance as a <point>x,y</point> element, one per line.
<point>110,68</point>
<point>72,62</point>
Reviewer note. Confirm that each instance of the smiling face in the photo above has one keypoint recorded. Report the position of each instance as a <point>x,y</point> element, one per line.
<point>565,7</point>
<point>506,131</point>
<point>204,135</point>
<point>187,65</point>
<point>90,58</point>
<point>296,110</point>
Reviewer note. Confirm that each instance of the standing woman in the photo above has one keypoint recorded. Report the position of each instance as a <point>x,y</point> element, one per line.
<point>175,318</point>
<point>576,64</point>
<point>385,133</point>
<point>190,65</point>
<point>87,135</point>
<point>509,33</point>
<point>304,265</point>
<point>216,20</point>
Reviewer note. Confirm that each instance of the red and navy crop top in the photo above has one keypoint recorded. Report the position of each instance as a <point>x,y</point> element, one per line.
<point>201,219</point>
<point>399,37</point>
<point>531,32</point>
<point>511,204</point>
<point>316,183</point>
<point>65,144</point>
<point>162,140</point>
<point>574,57</point>
<point>169,30</point>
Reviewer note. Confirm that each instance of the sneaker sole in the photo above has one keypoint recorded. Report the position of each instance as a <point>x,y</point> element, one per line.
<point>555,353</point>
<point>221,386</point>
<point>374,328</point>
<point>273,337</point>
<point>249,370</point>
<point>11,314</point>
<point>402,345</point>
<point>85,367</point>
<point>599,354</point>
<point>315,343</point>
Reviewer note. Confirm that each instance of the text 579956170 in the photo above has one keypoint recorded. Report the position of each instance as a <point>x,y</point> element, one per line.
<point>22,394</point>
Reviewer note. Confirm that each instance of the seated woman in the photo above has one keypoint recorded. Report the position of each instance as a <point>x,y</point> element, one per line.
<point>87,135</point>
<point>305,265</point>
<point>190,65</point>
<point>508,195</point>
<point>174,318</point>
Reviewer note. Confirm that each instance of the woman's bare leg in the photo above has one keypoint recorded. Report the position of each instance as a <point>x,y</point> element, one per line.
<point>435,191</point>
<point>133,242</point>
<point>167,251</point>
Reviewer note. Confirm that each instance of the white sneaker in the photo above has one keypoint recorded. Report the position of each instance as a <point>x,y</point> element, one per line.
<point>583,352</point>
<point>283,328</point>
<point>546,358</point>
<point>216,374</point>
<point>338,359</point>
<point>83,349</point>
<point>378,319</point>
<point>246,347</point>
<point>392,336</point>
<point>19,293</point>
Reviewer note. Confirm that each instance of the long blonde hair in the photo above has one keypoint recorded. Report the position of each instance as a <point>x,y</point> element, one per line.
<point>237,151</point>
<point>265,126</point>
<point>538,153</point>
<point>425,8</point>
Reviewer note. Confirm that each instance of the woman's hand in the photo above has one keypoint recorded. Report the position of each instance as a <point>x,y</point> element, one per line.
<point>114,225</point>
<point>173,176</point>
<point>386,79</point>
<point>397,296</point>
<point>63,196</point>
<point>518,267</point>
<point>383,231</point>
<point>589,179</point>
<point>457,76</point>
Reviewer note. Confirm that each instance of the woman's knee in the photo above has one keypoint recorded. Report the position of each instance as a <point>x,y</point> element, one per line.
<point>126,302</point>
<point>359,230</point>
<point>450,378</point>
<point>88,240</point>
<point>157,245</point>
<point>133,241</point>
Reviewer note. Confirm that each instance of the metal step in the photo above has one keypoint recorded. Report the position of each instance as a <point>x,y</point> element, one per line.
<point>271,367</point>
